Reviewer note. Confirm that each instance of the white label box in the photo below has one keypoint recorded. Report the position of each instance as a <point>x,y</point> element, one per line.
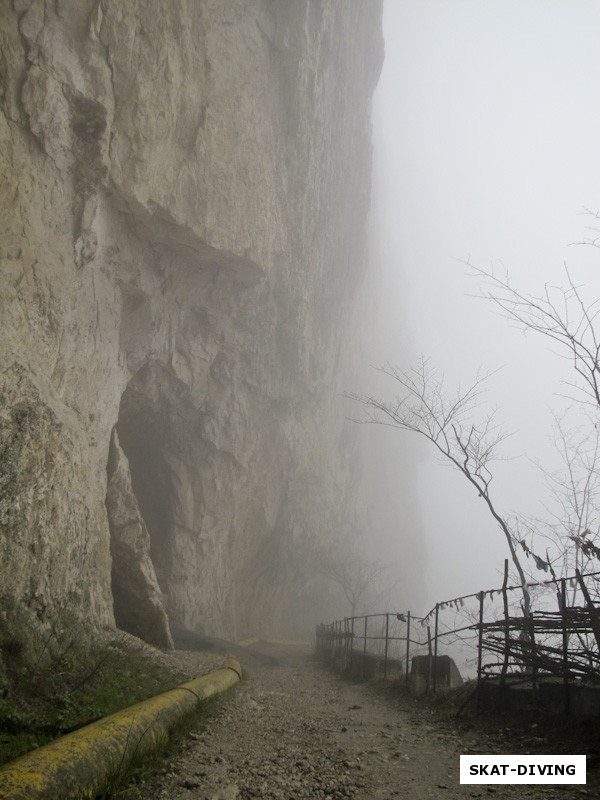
<point>522,769</point>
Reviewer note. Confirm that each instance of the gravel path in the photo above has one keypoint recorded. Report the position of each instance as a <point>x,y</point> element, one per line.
<point>294,731</point>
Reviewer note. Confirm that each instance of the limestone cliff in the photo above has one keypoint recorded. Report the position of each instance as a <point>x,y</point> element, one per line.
<point>183,193</point>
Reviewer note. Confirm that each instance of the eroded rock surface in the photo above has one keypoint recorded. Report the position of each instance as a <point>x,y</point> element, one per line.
<point>137,599</point>
<point>183,194</point>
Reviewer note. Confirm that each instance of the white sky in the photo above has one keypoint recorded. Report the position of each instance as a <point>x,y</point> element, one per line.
<point>487,144</point>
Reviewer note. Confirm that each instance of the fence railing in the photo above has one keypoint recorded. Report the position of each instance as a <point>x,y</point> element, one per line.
<point>381,643</point>
<point>488,630</point>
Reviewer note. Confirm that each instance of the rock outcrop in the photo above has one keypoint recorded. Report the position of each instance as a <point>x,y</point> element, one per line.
<point>138,601</point>
<point>183,197</point>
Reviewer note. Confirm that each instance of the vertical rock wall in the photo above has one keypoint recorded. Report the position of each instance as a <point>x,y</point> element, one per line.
<point>183,195</point>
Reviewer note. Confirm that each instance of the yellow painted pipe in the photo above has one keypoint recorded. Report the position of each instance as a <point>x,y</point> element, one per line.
<point>78,766</point>
<point>249,641</point>
<point>289,642</point>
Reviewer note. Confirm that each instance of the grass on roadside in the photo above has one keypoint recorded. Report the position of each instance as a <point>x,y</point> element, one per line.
<point>64,687</point>
<point>128,784</point>
<point>63,691</point>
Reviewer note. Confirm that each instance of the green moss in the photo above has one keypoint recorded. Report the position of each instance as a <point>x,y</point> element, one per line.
<point>128,784</point>
<point>66,690</point>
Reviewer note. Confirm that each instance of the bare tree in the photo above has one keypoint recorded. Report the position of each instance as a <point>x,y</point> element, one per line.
<point>355,576</point>
<point>594,239</point>
<point>424,407</point>
<point>576,487</point>
<point>566,318</point>
<point>560,314</point>
<point>571,527</point>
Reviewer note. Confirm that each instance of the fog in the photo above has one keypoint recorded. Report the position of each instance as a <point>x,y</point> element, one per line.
<point>486,133</point>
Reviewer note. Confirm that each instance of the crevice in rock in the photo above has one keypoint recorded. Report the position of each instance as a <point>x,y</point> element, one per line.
<point>137,599</point>
<point>155,430</point>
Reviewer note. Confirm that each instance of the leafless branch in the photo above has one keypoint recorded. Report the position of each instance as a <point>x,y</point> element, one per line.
<point>560,314</point>
<point>424,407</point>
<point>354,575</point>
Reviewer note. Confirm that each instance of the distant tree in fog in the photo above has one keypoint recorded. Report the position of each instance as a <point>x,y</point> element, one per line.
<point>576,488</point>
<point>356,578</point>
<point>425,407</point>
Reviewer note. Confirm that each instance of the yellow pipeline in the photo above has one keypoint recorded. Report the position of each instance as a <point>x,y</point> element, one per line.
<point>250,641</point>
<point>81,764</point>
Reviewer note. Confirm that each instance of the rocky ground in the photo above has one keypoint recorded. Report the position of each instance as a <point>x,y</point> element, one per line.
<point>292,730</point>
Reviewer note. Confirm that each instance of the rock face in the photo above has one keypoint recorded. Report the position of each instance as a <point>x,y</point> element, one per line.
<point>138,600</point>
<point>183,195</point>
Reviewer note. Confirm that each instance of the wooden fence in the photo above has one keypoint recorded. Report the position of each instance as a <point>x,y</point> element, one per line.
<point>371,643</point>
<point>559,639</point>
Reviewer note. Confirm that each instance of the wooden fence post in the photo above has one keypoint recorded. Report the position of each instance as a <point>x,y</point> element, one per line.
<point>385,652</point>
<point>480,649</point>
<point>435,647</point>
<point>346,644</point>
<point>593,611</point>
<point>506,626</point>
<point>364,669</point>
<point>335,642</point>
<point>407,645</point>
<point>534,659</point>
<point>430,661</point>
<point>565,645</point>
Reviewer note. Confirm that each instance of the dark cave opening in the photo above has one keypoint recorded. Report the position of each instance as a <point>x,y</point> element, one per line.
<point>144,503</point>
<point>154,502</point>
<point>144,434</point>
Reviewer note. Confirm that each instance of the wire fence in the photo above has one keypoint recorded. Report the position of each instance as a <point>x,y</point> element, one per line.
<point>371,644</point>
<point>486,634</point>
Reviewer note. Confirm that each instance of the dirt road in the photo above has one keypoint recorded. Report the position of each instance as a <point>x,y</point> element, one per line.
<point>295,731</point>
